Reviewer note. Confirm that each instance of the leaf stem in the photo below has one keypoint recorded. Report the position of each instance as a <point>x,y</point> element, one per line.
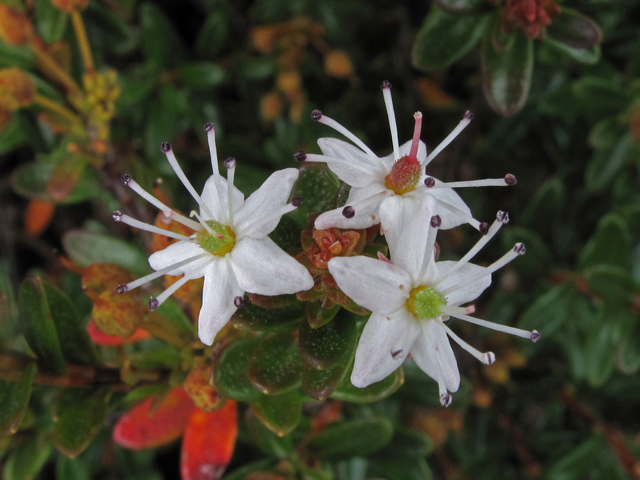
<point>83,41</point>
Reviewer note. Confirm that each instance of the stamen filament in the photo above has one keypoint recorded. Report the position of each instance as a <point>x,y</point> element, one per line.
<point>388,102</point>
<point>451,310</point>
<point>171,158</point>
<point>149,228</point>
<point>203,223</point>
<point>428,251</point>
<point>159,300</point>
<point>340,129</point>
<point>487,358</point>
<point>159,273</point>
<point>489,182</point>
<point>467,218</point>
<point>456,131</point>
<point>213,153</point>
<point>168,212</point>
<point>231,170</point>
<point>518,332</point>
<point>415,142</point>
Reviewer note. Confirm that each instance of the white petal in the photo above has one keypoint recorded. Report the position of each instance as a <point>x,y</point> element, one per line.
<point>381,287</point>
<point>406,223</point>
<point>448,195</point>
<point>218,297</point>
<point>256,218</point>
<point>176,253</point>
<point>405,148</point>
<point>218,202</point>
<point>264,268</point>
<point>349,163</point>
<point>433,351</point>
<point>467,292</point>
<point>383,346</point>
<point>366,204</point>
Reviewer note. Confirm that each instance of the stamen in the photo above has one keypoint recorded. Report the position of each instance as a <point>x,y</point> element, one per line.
<point>167,211</point>
<point>451,310</point>
<point>159,300</point>
<point>319,117</point>
<point>159,273</point>
<point>510,179</point>
<point>118,216</point>
<point>171,158</point>
<point>239,302</point>
<point>489,182</point>
<point>300,156</point>
<point>213,153</point>
<point>417,128</point>
<point>429,182</point>
<point>533,335</point>
<point>230,165</point>
<point>429,251</point>
<point>445,399</point>
<point>468,116</point>
<point>297,201</point>
<point>478,246</point>
<point>487,357</point>
<point>388,102</point>
<point>395,353</point>
<point>484,228</point>
<point>467,218</point>
<point>517,250</point>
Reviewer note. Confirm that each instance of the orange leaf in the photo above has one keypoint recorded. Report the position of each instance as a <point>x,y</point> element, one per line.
<point>37,217</point>
<point>147,427</point>
<point>100,338</point>
<point>208,443</point>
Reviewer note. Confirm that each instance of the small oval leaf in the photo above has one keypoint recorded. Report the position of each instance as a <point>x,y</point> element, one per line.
<point>355,438</point>
<point>330,345</point>
<point>276,365</point>
<point>279,413</point>
<point>574,29</point>
<point>374,392</point>
<point>231,378</point>
<point>14,398</point>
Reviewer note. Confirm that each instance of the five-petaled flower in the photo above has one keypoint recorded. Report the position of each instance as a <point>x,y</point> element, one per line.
<point>229,247</point>
<point>375,180</point>
<point>412,297</point>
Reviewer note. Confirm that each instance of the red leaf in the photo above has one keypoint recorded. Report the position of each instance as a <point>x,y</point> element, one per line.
<point>100,338</point>
<point>208,443</point>
<point>148,426</point>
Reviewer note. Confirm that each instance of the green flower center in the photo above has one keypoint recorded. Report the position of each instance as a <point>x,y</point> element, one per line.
<point>220,242</point>
<point>425,302</point>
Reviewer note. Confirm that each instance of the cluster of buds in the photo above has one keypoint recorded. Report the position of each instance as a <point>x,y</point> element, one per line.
<point>533,16</point>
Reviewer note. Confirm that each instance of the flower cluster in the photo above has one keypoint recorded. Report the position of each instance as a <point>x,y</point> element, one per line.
<point>410,294</point>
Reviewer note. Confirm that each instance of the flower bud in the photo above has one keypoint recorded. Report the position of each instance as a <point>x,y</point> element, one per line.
<point>338,64</point>
<point>270,106</point>
<point>15,28</point>
<point>16,89</point>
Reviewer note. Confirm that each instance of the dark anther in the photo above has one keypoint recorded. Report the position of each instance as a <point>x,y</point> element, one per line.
<point>153,304</point>
<point>239,302</point>
<point>502,217</point>
<point>535,336</point>
<point>230,163</point>
<point>348,211</point>
<point>468,115</point>
<point>396,353</point>
<point>429,182</point>
<point>165,147</point>
<point>208,126</point>
<point>125,179</point>
<point>296,201</point>
<point>436,221</point>
<point>316,115</point>
<point>117,215</point>
<point>385,84</point>
<point>300,156</point>
<point>483,228</point>
<point>122,288</point>
<point>519,248</point>
<point>510,179</point>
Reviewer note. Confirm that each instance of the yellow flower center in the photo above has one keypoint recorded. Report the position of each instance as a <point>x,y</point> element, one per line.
<point>219,242</point>
<point>425,302</point>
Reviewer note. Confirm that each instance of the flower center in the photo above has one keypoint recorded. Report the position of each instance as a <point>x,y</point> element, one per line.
<point>218,239</point>
<point>425,302</point>
<point>404,175</point>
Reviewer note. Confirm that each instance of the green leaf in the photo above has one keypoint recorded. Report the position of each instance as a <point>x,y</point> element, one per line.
<point>108,30</point>
<point>445,39</point>
<point>464,7</point>
<point>600,350</point>
<point>14,398</point>
<point>409,443</point>
<point>579,461</point>
<point>269,442</point>
<point>279,413</point>
<point>39,328</point>
<point>202,75</point>
<point>231,377</point>
<point>374,392</point>
<point>276,365</point>
<point>161,45</point>
<point>318,187</point>
<point>320,384</point>
<point>244,471</point>
<point>547,203</point>
<point>287,233</point>
<point>79,416</point>
<point>71,469</point>
<point>355,438</point>
<point>611,282</point>
<point>50,21</point>
<point>628,354</point>
<point>611,244</point>
<point>403,468</point>
<point>85,248</point>
<point>330,345</point>
<point>606,163</point>
<point>318,316</point>
<point>589,56</point>
<point>27,460</point>
<point>258,319</point>
<point>506,74</point>
<point>77,347</point>
<point>601,97</point>
<point>16,56</point>
<point>13,134</point>
<point>537,256</point>
<point>213,33</point>
<point>574,29</point>
<point>549,312</point>
<point>30,181</point>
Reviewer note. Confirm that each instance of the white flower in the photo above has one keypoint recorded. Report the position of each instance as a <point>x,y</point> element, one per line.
<point>229,247</point>
<point>374,180</point>
<point>411,298</point>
